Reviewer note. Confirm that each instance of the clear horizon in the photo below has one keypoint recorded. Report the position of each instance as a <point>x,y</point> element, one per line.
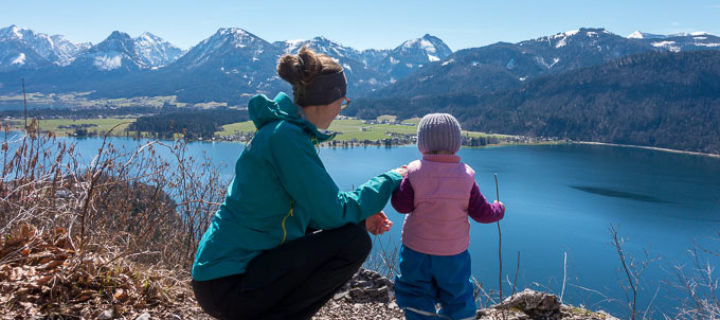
<point>367,25</point>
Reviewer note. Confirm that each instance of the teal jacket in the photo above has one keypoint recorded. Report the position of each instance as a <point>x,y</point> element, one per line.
<point>280,189</point>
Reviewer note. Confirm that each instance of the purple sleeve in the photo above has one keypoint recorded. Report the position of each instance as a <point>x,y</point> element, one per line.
<point>403,199</point>
<point>482,211</point>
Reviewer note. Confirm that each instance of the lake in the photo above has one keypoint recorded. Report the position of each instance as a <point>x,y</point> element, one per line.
<point>560,199</point>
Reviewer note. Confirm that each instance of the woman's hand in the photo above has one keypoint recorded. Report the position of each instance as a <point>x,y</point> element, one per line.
<point>378,223</point>
<point>402,170</point>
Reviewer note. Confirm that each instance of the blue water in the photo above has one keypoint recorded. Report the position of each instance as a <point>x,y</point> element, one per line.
<point>560,199</point>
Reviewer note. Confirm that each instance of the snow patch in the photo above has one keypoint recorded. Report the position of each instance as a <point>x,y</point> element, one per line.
<point>392,80</point>
<point>432,58</point>
<point>474,63</point>
<point>636,35</point>
<point>20,59</point>
<point>561,43</point>
<point>708,45</point>
<point>523,78</point>
<point>670,45</point>
<point>567,34</point>
<point>409,65</point>
<point>107,63</point>
<point>17,32</point>
<point>394,61</point>
<point>541,61</point>
<point>448,62</point>
<point>422,43</point>
<point>427,46</point>
<point>346,66</point>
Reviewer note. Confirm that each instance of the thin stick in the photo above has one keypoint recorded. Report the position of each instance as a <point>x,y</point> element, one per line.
<point>517,269</point>
<point>502,309</point>
<point>497,190</point>
<point>562,291</point>
<point>631,278</point>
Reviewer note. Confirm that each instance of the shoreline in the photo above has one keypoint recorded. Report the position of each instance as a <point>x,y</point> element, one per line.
<point>389,144</point>
<point>694,153</point>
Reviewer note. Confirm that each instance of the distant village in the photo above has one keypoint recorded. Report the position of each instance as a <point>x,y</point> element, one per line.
<point>398,139</point>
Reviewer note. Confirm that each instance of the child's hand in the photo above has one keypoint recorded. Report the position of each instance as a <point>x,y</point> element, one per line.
<point>378,223</point>
<point>402,170</point>
<point>502,204</point>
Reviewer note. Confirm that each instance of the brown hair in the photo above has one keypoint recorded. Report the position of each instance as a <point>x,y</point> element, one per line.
<point>301,70</point>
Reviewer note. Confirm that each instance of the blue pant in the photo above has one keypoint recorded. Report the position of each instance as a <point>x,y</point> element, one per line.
<point>425,280</point>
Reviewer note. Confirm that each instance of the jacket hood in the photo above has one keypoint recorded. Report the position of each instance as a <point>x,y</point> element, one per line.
<point>262,111</point>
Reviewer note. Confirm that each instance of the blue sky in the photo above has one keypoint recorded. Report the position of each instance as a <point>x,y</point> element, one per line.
<point>359,24</point>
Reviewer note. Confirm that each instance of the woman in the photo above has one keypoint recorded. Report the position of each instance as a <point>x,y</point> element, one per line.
<point>258,258</point>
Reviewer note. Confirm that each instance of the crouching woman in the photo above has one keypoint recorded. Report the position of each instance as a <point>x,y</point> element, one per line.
<point>259,258</point>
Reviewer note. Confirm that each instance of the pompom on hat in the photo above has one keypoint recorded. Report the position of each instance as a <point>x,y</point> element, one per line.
<point>439,132</point>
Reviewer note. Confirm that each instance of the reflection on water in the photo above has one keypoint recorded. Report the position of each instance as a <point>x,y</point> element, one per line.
<point>619,194</point>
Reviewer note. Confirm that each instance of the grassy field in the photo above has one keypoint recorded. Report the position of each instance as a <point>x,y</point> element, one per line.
<point>352,129</point>
<point>103,125</point>
<point>80,99</point>
<point>347,129</point>
<point>235,128</point>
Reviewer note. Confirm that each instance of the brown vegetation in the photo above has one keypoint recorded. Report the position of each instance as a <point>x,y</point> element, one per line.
<point>116,236</point>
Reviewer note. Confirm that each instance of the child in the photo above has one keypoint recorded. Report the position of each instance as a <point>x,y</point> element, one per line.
<point>439,192</point>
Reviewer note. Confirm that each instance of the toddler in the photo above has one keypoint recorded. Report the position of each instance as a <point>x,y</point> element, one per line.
<point>438,193</point>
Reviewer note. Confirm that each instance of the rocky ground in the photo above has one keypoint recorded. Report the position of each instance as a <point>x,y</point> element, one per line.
<point>370,296</point>
<point>42,277</point>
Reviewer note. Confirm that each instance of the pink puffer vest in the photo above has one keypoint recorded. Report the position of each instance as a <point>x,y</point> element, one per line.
<point>439,224</point>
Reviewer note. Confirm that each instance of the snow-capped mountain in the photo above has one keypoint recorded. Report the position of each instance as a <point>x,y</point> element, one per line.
<point>680,41</point>
<point>319,44</point>
<point>363,77</point>
<point>225,47</point>
<point>235,59</point>
<point>116,53</point>
<point>579,48</point>
<point>643,35</point>
<point>156,52</point>
<point>506,65</point>
<point>233,64</point>
<point>372,69</point>
<point>24,48</point>
<point>413,54</point>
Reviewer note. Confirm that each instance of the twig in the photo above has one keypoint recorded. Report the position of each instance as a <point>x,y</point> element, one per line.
<point>628,272</point>
<point>605,298</point>
<point>651,302</point>
<point>502,308</point>
<point>517,269</point>
<point>562,291</point>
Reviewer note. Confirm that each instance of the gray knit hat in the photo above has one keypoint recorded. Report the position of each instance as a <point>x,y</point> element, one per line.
<point>438,132</point>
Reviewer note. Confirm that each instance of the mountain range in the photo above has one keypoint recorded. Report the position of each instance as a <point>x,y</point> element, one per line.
<point>588,84</point>
<point>502,66</point>
<point>229,66</point>
<point>233,64</point>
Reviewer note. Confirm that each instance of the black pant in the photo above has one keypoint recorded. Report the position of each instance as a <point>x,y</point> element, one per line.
<point>292,281</point>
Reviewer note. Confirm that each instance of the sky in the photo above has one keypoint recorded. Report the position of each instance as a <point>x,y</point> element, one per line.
<point>359,24</point>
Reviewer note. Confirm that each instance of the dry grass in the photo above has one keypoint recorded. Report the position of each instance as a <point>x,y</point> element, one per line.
<point>118,234</point>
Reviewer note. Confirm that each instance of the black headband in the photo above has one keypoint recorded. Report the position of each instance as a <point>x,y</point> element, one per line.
<point>324,89</point>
